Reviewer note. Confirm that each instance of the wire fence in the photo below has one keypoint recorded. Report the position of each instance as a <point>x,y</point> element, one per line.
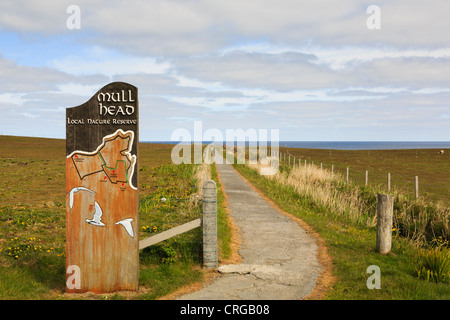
<point>413,185</point>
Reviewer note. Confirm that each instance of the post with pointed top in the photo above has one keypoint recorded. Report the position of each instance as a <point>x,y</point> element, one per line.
<point>385,210</point>
<point>209,225</point>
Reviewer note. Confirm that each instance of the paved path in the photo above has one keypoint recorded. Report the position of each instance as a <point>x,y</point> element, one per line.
<point>279,259</point>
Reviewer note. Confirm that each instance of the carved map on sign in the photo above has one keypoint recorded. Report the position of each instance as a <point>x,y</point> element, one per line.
<point>87,163</point>
<point>102,196</point>
<point>117,166</point>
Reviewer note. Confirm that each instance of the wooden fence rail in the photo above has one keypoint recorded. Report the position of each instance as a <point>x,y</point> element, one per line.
<point>208,223</point>
<point>169,233</point>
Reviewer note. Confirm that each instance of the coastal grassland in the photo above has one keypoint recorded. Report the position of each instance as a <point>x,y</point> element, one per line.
<point>32,220</point>
<point>32,170</point>
<point>169,199</point>
<point>344,216</point>
<point>432,168</point>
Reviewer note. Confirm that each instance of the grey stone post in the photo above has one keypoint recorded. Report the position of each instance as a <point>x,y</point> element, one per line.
<point>210,247</point>
<point>385,211</point>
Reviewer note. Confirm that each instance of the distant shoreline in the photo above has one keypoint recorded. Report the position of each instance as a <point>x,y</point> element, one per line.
<point>346,145</point>
<point>325,145</point>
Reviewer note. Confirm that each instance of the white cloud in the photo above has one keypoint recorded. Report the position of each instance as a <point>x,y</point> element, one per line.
<point>27,115</point>
<point>98,60</point>
<point>340,57</point>
<point>79,89</point>
<point>12,98</point>
<point>178,27</point>
<point>258,63</point>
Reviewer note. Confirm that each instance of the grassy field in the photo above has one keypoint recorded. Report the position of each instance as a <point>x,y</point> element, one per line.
<point>32,220</point>
<point>432,168</point>
<point>344,216</point>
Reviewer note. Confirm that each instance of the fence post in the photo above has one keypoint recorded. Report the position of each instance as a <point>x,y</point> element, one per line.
<point>367,177</point>
<point>209,222</point>
<point>347,174</point>
<point>417,186</point>
<point>385,210</point>
<point>389,181</point>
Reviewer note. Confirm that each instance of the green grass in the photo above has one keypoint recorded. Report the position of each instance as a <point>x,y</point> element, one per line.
<point>176,262</point>
<point>166,278</point>
<point>433,265</point>
<point>352,248</point>
<point>32,220</point>
<point>432,168</point>
<point>223,226</point>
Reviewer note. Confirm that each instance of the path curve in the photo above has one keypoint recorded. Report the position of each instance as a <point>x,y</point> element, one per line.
<point>279,258</point>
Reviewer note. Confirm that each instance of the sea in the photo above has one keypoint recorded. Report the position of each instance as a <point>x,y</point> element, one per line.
<point>349,145</point>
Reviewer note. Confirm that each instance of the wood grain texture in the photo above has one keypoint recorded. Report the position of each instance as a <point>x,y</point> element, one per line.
<point>169,233</point>
<point>103,159</point>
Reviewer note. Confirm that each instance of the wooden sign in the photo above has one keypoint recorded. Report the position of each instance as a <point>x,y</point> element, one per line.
<point>102,245</point>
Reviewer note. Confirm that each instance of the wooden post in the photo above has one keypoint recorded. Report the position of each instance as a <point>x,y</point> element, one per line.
<point>416,183</point>
<point>367,177</point>
<point>332,169</point>
<point>389,181</point>
<point>385,209</point>
<point>102,202</point>
<point>210,247</point>
<point>347,174</point>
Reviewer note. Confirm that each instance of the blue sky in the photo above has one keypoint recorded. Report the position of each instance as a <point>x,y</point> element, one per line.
<point>312,69</point>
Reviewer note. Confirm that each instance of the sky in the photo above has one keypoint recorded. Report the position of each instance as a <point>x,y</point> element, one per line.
<point>315,70</point>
